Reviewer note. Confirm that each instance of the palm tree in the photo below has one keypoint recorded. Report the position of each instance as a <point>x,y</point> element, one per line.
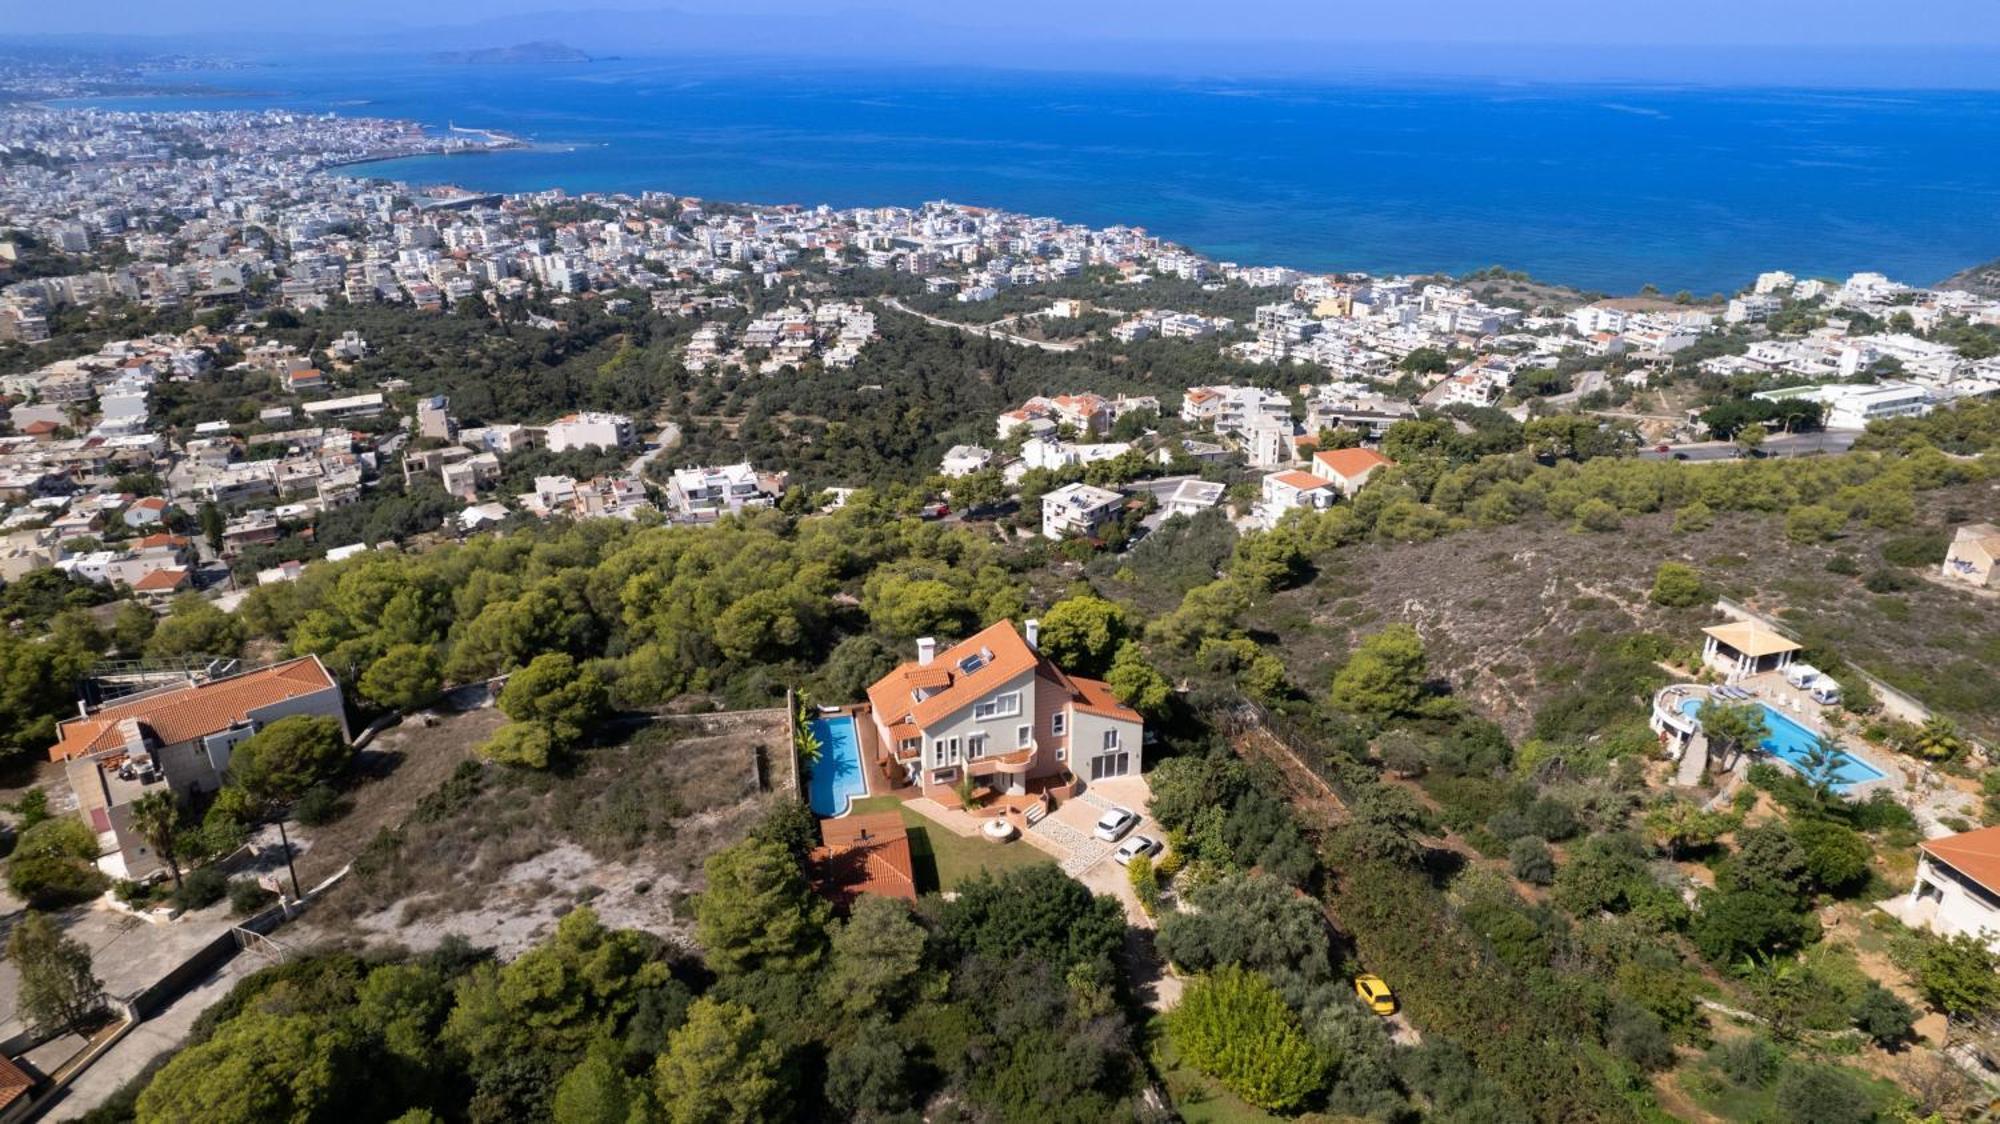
<point>1938,739</point>
<point>1820,765</point>
<point>157,815</point>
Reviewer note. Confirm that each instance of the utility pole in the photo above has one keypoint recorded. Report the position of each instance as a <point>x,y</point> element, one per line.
<point>287,842</point>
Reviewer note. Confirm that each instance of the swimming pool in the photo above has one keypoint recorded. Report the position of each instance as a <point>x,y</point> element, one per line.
<point>836,777</point>
<point>1788,741</point>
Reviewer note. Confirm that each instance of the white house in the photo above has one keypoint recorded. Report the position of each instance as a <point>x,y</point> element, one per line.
<point>964,460</point>
<point>591,430</point>
<point>1193,497</point>
<point>1957,889</point>
<point>1078,509</point>
<point>1291,490</point>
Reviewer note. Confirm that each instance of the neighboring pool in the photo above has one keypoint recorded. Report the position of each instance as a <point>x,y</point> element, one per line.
<point>836,777</point>
<point>1788,742</point>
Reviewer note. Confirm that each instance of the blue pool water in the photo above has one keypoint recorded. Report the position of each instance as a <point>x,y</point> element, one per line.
<point>836,777</point>
<point>1788,742</point>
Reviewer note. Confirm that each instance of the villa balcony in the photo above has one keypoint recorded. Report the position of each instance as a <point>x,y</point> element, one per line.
<point>1015,764</point>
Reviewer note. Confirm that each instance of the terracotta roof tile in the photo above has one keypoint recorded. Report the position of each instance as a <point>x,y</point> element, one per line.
<point>1975,854</point>
<point>893,695</point>
<point>1350,463</point>
<point>14,1083</point>
<point>193,712</point>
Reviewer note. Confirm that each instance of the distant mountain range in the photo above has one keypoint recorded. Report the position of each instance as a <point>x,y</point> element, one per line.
<point>541,50</point>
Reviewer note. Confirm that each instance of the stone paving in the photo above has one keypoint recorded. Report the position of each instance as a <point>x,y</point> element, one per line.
<point>1082,850</point>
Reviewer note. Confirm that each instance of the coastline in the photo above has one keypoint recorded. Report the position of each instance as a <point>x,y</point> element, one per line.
<point>1370,216</point>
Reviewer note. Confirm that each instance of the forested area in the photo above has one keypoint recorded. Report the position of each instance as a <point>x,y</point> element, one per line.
<point>1004,1003</point>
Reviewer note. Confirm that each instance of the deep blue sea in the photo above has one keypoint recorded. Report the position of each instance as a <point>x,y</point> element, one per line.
<point>1601,186</point>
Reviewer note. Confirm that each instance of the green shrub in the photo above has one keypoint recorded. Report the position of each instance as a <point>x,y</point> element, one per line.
<point>1925,549</point>
<point>1145,884</point>
<point>1818,1094</point>
<point>202,888</point>
<point>1748,1063</point>
<point>247,897</point>
<point>1234,1026</point>
<point>1883,1017</point>
<point>1677,586</point>
<point>320,805</point>
<point>1532,861</point>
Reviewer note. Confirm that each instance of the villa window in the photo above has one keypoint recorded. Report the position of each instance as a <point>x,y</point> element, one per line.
<point>937,753</point>
<point>975,747</point>
<point>1058,724</point>
<point>1023,735</point>
<point>999,706</point>
<point>1111,739</point>
<point>1062,754</point>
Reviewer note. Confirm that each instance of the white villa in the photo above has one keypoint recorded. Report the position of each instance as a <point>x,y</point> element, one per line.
<point>1957,890</point>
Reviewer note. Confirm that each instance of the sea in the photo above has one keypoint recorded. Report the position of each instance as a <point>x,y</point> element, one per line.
<point>1606,187</point>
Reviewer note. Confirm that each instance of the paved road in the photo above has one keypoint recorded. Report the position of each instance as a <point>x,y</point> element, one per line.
<point>976,330</point>
<point>668,437</point>
<point>1782,445</point>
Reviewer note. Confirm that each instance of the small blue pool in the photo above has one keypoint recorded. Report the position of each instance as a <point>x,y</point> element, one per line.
<point>836,777</point>
<point>1788,741</point>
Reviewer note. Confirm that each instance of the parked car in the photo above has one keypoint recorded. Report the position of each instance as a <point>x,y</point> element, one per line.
<point>935,510</point>
<point>1116,822</point>
<point>1375,993</point>
<point>1663,448</point>
<point>1137,845</point>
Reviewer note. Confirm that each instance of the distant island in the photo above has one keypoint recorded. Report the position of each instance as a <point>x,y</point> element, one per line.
<point>541,50</point>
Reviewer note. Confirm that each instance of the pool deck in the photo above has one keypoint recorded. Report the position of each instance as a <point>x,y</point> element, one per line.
<point>1770,689</point>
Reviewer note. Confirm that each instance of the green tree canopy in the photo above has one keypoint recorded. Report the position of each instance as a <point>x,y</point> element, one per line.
<point>284,759</point>
<point>758,911</point>
<point>719,1068</point>
<point>1384,677</point>
<point>1234,1026</point>
<point>1082,633</point>
<point>58,986</point>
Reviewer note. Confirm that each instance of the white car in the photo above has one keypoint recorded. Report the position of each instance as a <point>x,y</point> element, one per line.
<point>1115,823</point>
<point>1134,847</point>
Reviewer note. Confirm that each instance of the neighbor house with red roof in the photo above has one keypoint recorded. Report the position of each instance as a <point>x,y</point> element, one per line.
<point>177,739</point>
<point>863,853</point>
<point>1348,469</point>
<point>1957,889</point>
<point>994,708</point>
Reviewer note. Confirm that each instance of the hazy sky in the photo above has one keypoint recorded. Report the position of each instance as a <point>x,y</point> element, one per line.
<point>1958,23</point>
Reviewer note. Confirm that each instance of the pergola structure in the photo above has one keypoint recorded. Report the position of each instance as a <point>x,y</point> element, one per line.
<point>1744,648</point>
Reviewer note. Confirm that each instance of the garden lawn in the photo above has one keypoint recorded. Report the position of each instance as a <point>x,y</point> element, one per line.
<point>943,858</point>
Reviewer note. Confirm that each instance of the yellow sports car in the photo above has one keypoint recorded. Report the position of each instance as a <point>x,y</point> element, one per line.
<point>1375,993</point>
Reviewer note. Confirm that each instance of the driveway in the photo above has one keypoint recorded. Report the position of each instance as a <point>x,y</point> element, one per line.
<point>1068,834</point>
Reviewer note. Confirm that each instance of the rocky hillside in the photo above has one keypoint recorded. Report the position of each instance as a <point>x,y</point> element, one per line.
<point>1983,279</point>
<point>1518,617</point>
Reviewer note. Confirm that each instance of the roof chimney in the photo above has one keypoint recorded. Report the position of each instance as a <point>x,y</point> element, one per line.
<point>1034,631</point>
<point>926,651</point>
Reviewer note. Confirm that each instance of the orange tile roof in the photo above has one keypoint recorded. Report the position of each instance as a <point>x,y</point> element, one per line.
<point>192,712</point>
<point>1350,463</point>
<point>1975,854</point>
<point>1094,696</point>
<point>865,854</point>
<point>893,695</point>
<point>1303,481</point>
<point>14,1083</point>
<point>160,580</point>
